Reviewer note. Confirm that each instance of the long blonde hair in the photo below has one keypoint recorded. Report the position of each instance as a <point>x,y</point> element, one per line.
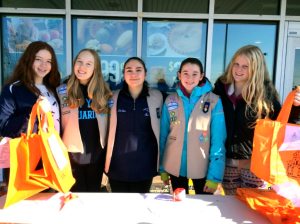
<point>98,90</point>
<point>259,91</point>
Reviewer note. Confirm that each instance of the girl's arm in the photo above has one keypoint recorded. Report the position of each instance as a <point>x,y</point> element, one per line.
<point>164,132</point>
<point>217,153</point>
<point>11,124</point>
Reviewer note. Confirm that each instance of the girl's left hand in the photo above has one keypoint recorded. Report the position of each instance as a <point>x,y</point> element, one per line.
<point>44,104</point>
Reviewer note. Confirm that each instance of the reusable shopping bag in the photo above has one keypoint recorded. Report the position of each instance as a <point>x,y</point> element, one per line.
<point>267,202</point>
<point>27,177</point>
<point>276,148</point>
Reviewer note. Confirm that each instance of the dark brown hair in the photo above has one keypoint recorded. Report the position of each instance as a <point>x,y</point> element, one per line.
<point>24,72</point>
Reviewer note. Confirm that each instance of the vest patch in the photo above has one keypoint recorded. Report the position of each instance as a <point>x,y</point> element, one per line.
<point>203,136</point>
<point>110,103</point>
<point>173,118</point>
<point>158,112</point>
<point>172,105</point>
<point>62,90</point>
<point>206,107</point>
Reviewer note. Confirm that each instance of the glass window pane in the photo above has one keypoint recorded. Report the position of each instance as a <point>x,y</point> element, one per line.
<point>166,44</point>
<point>257,7</point>
<point>53,4</point>
<point>186,6</point>
<point>293,8</point>
<point>296,74</point>
<point>20,31</point>
<point>109,5</point>
<point>229,37</point>
<point>115,40</point>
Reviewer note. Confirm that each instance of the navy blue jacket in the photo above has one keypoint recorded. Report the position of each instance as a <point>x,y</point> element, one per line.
<point>239,136</point>
<point>16,102</point>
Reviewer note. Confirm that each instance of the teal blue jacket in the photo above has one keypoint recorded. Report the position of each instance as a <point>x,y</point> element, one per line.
<point>218,134</point>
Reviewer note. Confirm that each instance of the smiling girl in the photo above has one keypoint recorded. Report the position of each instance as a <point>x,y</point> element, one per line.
<point>247,94</point>
<point>84,112</point>
<point>35,77</point>
<point>192,132</point>
<point>132,151</point>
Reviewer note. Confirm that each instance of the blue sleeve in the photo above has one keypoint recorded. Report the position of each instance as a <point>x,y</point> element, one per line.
<point>217,154</point>
<point>11,123</point>
<point>164,132</point>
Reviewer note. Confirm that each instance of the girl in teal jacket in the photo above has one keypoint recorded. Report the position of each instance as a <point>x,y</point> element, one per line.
<point>193,132</point>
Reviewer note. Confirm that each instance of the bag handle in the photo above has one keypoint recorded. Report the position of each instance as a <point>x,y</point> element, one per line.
<point>45,119</point>
<point>286,107</point>
<point>35,112</point>
<point>31,120</point>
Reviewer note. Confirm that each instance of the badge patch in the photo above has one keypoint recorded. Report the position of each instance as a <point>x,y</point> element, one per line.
<point>110,103</point>
<point>203,136</point>
<point>62,89</point>
<point>172,105</point>
<point>158,112</point>
<point>206,107</point>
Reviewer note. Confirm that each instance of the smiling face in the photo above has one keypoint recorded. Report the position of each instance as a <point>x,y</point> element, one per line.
<point>240,69</point>
<point>84,67</point>
<point>190,76</point>
<point>42,65</point>
<point>134,74</point>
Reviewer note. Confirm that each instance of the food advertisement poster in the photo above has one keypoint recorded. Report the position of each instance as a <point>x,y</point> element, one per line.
<point>114,40</point>
<point>19,32</point>
<point>166,44</point>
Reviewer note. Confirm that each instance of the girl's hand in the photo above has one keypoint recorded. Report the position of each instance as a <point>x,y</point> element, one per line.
<point>45,105</point>
<point>297,97</point>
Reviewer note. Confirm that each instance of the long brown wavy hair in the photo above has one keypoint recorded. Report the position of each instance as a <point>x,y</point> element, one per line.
<point>24,72</point>
<point>98,90</point>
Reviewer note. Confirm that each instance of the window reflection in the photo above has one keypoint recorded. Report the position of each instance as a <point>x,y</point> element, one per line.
<point>229,37</point>
<point>296,75</point>
<point>19,32</point>
<point>115,40</point>
<point>166,44</point>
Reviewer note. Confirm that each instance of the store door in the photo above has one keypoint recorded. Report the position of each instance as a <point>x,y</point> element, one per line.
<point>292,61</point>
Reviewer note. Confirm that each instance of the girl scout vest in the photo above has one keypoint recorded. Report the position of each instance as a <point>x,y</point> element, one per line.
<point>198,135</point>
<point>70,124</point>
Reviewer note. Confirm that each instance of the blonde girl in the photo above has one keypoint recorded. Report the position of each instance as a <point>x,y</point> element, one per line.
<point>84,112</point>
<point>247,94</point>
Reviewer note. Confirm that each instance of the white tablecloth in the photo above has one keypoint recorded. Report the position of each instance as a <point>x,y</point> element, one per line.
<point>129,208</point>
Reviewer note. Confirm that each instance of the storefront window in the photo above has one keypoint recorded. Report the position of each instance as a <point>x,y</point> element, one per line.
<point>186,6</point>
<point>115,40</point>
<point>166,44</point>
<point>228,37</point>
<point>108,5</point>
<point>257,7</point>
<point>19,32</point>
<point>293,8</point>
<point>54,4</point>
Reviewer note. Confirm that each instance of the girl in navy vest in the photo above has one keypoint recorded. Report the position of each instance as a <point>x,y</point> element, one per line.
<point>132,151</point>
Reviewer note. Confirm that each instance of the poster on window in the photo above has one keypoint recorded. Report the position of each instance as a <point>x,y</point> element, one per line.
<point>114,40</point>
<point>19,32</point>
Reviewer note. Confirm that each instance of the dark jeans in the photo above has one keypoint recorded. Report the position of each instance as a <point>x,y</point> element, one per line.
<point>183,182</point>
<point>88,176</point>
<point>130,187</point>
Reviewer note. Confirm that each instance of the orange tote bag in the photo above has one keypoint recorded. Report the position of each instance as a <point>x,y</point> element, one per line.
<point>44,148</point>
<point>276,148</point>
<point>276,208</point>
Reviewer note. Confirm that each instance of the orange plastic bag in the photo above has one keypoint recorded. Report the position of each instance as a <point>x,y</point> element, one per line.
<point>276,148</point>
<point>276,208</point>
<point>31,149</point>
